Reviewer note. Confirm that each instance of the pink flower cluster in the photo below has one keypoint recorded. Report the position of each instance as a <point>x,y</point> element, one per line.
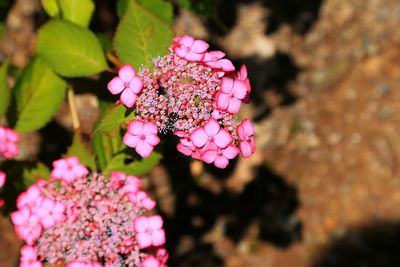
<point>194,93</point>
<point>8,143</point>
<point>88,220</point>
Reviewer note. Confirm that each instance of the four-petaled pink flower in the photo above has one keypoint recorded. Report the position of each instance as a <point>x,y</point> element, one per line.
<point>142,136</point>
<point>231,95</point>
<point>211,132</point>
<point>8,143</point>
<point>242,76</point>
<point>149,231</point>
<point>50,212</point>
<point>27,225</point>
<point>128,83</point>
<point>215,60</point>
<point>3,177</point>
<point>188,48</point>
<point>30,198</point>
<point>29,257</point>
<point>245,131</point>
<point>68,169</point>
<point>141,199</point>
<point>219,156</point>
<point>160,260</point>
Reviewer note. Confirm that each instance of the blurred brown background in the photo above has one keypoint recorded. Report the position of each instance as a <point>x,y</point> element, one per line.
<point>323,188</point>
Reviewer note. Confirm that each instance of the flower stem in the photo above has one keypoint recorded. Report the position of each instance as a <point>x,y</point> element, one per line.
<point>74,113</point>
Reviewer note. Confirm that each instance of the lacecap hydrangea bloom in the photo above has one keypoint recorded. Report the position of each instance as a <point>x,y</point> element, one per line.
<point>8,143</point>
<point>192,92</point>
<point>82,219</point>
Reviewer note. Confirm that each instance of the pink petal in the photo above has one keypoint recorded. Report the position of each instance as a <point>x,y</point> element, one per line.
<point>71,161</point>
<point>231,152</point>
<point>143,240</point>
<point>223,101</point>
<point>150,262</point>
<point>126,73</point>
<point>213,56</point>
<point>226,85</point>
<point>239,89</point>
<point>194,56</point>
<point>136,85</point>
<point>226,64</point>
<point>131,140</point>
<point>152,139</point>
<point>199,46</point>
<point>221,162</point>
<point>148,203</point>
<point>186,41</point>
<point>47,222</point>
<point>184,149</point>
<point>209,156</point>
<point>141,224</point>
<point>80,170</point>
<point>223,138</point>
<point>245,149</point>
<point>180,52</point>
<point>234,105</point>
<point>2,178</point>
<point>158,238</point>
<point>199,137</point>
<point>155,222</point>
<point>128,98</point>
<point>149,128</point>
<point>211,127</point>
<point>115,86</point>
<point>144,149</point>
<point>135,127</point>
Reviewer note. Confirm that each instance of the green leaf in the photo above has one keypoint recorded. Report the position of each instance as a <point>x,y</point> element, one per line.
<point>139,168</point>
<point>32,174</point>
<point>4,90</point>
<point>51,7</point>
<point>105,42</point>
<point>141,36</point>
<point>121,7</point>
<point>79,149</point>
<point>39,93</point>
<point>70,49</point>
<point>77,11</point>
<point>160,8</point>
<point>115,117</point>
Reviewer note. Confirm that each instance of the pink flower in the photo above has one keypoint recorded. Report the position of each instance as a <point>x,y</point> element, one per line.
<point>30,198</point>
<point>68,169</point>
<point>150,261</point>
<point>3,177</point>
<point>215,60</point>
<point>188,48</point>
<point>83,264</point>
<point>8,140</point>
<point>128,83</point>
<point>27,225</point>
<point>29,257</point>
<point>132,184</point>
<point>245,131</point>
<point>187,148</point>
<point>211,132</point>
<point>149,231</point>
<point>142,200</point>
<point>231,95</point>
<point>220,156</point>
<point>242,76</point>
<point>50,212</point>
<point>142,136</point>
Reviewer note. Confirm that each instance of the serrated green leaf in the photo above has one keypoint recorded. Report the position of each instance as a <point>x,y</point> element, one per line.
<point>51,7</point>
<point>77,11</point>
<point>4,90</point>
<point>114,118</point>
<point>160,8</point>
<point>141,36</point>
<point>39,93</point>
<point>79,149</point>
<point>70,49</point>
<point>32,174</point>
<point>139,168</point>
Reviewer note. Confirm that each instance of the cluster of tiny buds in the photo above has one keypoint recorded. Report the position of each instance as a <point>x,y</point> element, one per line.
<point>8,143</point>
<point>78,219</point>
<point>192,92</point>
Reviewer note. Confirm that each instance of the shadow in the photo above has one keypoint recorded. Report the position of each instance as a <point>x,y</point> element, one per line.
<point>373,245</point>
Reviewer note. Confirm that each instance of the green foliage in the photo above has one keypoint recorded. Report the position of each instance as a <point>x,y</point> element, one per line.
<point>121,7</point>
<point>79,149</point>
<point>32,173</point>
<point>70,49</point>
<point>77,11</point>
<point>51,7</point>
<point>139,168</point>
<point>4,90</point>
<point>38,93</point>
<point>105,42</point>
<point>113,119</point>
<point>142,35</point>
<point>161,8</point>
